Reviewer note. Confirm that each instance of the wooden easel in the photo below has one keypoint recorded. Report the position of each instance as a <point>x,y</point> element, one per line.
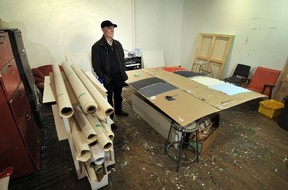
<point>282,89</point>
<point>214,49</point>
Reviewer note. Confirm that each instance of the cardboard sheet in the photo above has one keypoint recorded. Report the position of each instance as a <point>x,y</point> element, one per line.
<point>60,128</point>
<point>137,75</point>
<point>193,100</point>
<point>162,74</point>
<point>184,108</point>
<point>215,98</point>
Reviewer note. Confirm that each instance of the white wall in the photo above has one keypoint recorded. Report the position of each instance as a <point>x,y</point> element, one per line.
<point>260,28</point>
<point>158,26</point>
<point>53,28</point>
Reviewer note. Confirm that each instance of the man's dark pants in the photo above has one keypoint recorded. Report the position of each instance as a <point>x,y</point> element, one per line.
<point>114,89</point>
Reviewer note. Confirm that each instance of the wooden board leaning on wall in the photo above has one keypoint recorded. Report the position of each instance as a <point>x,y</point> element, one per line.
<point>213,49</point>
<point>282,90</point>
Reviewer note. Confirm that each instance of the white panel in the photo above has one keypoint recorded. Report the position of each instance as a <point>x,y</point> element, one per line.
<point>82,60</point>
<point>48,95</point>
<point>153,58</point>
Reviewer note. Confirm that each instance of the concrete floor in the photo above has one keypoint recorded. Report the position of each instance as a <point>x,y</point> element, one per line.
<point>250,152</point>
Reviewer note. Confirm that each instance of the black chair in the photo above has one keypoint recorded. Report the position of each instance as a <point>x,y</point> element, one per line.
<point>240,75</point>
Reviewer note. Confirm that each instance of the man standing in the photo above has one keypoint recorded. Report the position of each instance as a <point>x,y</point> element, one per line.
<point>108,63</point>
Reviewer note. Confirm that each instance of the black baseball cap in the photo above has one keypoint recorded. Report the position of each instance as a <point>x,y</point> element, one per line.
<point>107,23</point>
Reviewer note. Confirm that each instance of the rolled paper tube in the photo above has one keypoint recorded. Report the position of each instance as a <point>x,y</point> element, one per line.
<point>100,116</point>
<point>107,130</point>
<point>62,96</point>
<point>104,141</point>
<point>109,155</point>
<point>99,169</point>
<point>81,147</point>
<point>104,106</point>
<point>98,154</point>
<point>90,171</point>
<point>83,123</point>
<point>87,103</point>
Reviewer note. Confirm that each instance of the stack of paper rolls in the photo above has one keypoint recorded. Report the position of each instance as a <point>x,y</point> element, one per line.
<point>90,172</point>
<point>82,149</point>
<point>87,103</point>
<point>104,141</point>
<point>98,154</point>
<point>105,108</point>
<point>86,128</point>
<point>62,96</point>
<point>97,134</point>
<point>95,172</point>
<point>107,130</point>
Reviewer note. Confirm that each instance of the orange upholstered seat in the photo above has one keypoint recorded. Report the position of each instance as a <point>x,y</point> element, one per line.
<point>263,80</point>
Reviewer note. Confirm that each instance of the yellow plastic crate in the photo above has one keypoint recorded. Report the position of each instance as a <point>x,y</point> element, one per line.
<point>270,108</point>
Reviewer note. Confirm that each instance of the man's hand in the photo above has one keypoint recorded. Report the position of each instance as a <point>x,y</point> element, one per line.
<point>101,80</point>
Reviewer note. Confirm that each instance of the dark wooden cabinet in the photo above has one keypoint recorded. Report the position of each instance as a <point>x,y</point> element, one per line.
<point>133,63</point>
<point>19,131</point>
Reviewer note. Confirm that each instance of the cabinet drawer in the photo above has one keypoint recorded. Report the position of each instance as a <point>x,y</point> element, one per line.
<point>31,136</point>
<point>6,53</point>
<point>18,104</point>
<point>13,151</point>
<point>10,78</point>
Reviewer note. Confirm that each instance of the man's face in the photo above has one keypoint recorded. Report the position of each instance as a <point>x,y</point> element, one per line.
<point>108,31</point>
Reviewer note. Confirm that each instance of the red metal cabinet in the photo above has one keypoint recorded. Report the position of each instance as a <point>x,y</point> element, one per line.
<point>10,78</point>
<point>12,150</point>
<point>19,133</point>
<point>18,103</point>
<point>26,75</point>
<point>32,137</point>
<point>6,53</point>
